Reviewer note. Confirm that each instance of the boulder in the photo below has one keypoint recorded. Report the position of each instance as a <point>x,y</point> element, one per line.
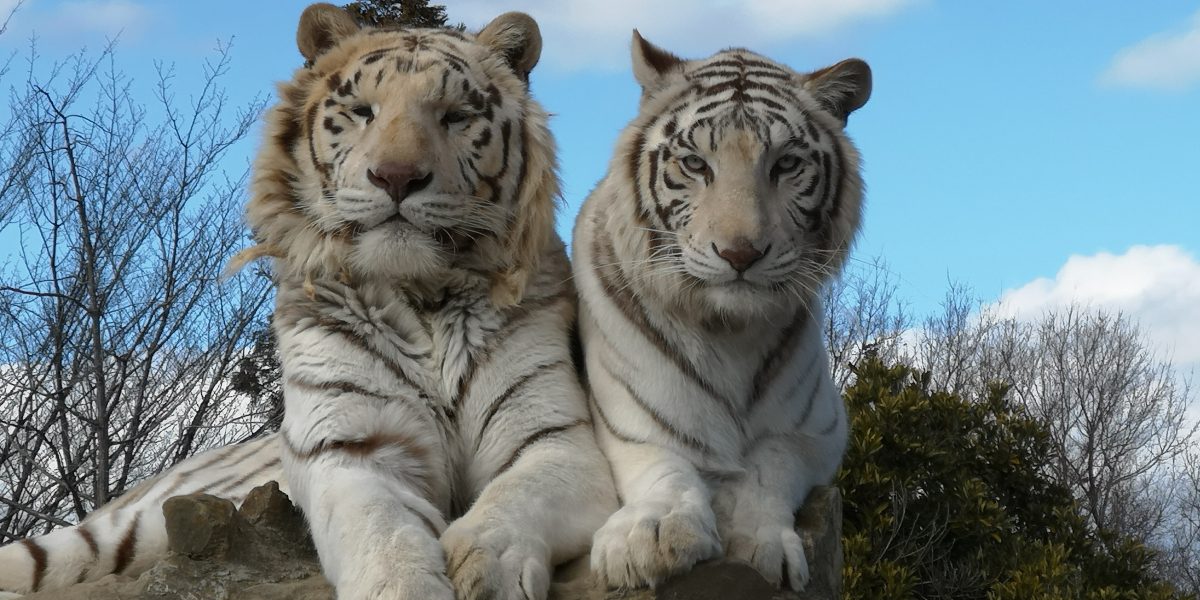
<point>262,551</point>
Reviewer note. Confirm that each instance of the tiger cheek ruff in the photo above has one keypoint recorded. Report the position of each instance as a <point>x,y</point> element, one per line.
<point>734,195</point>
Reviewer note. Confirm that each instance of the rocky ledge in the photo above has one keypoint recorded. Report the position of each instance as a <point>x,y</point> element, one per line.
<point>262,551</point>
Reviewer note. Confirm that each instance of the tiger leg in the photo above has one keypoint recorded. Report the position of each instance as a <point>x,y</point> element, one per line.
<point>666,525</point>
<point>359,478</point>
<point>541,485</point>
<point>756,512</point>
<point>129,534</point>
<point>376,534</point>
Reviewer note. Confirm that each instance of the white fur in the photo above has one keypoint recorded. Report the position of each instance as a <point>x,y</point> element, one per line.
<point>710,387</point>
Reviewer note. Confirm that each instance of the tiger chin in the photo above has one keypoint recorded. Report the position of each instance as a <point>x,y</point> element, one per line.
<point>733,197</point>
<point>435,435</point>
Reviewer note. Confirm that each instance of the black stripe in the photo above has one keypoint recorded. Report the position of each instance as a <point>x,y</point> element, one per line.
<point>658,418</point>
<point>776,358</point>
<point>88,539</point>
<point>354,339</point>
<point>836,197</point>
<point>38,554</point>
<point>366,447</point>
<point>127,547</point>
<point>504,396</point>
<point>183,476</point>
<point>310,121</point>
<point>837,418</point>
<point>342,387</point>
<point>808,406</point>
<point>616,287</point>
<point>620,435</point>
<point>536,437</point>
<point>517,317</point>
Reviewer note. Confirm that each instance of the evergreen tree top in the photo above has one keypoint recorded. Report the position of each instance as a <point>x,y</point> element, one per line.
<point>402,13</point>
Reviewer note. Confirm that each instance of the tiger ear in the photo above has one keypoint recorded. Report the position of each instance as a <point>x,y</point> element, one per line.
<point>842,88</point>
<point>322,26</point>
<point>516,37</point>
<point>651,64</point>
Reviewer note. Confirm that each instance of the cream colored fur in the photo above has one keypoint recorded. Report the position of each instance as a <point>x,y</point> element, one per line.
<point>436,435</point>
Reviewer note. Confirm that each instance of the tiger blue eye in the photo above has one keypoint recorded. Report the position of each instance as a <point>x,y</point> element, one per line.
<point>694,163</point>
<point>787,162</point>
<point>364,111</point>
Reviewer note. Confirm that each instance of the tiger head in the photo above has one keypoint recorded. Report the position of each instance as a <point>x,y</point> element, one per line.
<point>407,154</point>
<point>747,188</point>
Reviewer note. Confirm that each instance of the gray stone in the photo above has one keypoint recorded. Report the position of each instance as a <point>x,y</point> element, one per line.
<point>262,551</point>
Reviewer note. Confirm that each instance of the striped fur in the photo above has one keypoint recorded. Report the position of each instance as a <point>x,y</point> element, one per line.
<point>435,433</point>
<point>733,197</point>
<point>128,534</point>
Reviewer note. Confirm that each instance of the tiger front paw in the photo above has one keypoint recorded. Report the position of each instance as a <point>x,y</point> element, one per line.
<point>495,560</point>
<point>405,565</point>
<point>775,549</point>
<point>643,545</point>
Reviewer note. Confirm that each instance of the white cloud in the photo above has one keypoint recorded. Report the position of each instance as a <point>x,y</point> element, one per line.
<point>1158,285</point>
<point>585,34</point>
<point>1166,60</point>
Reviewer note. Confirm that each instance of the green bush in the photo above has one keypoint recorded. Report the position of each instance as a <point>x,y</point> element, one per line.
<point>949,498</point>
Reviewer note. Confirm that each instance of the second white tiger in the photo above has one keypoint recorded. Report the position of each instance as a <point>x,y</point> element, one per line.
<point>733,197</point>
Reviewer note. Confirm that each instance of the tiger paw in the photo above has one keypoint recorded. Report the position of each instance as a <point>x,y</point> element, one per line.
<point>645,544</point>
<point>405,565</point>
<point>490,559</point>
<point>397,585</point>
<point>774,549</point>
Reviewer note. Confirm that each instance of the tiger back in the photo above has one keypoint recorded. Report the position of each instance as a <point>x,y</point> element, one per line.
<point>732,198</point>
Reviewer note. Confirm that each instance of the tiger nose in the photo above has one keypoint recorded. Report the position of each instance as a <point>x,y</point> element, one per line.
<point>741,254</point>
<point>399,179</point>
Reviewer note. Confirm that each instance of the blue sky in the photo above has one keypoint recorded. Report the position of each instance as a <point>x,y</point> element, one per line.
<point>1041,152</point>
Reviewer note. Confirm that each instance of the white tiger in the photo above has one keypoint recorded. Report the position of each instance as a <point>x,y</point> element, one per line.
<point>406,190</point>
<point>734,195</point>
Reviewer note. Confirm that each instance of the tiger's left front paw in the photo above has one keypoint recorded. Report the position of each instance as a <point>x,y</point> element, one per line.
<point>495,560</point>
<point>775,549</point>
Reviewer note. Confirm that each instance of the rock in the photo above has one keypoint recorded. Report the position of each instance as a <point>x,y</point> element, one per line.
<point>201,527</point>
<point>262,551</point>
<point>820,525</point>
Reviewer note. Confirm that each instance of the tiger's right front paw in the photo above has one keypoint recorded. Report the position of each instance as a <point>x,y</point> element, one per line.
<point>398,585</point>
<point>405,564</point>
<point>645,544</point>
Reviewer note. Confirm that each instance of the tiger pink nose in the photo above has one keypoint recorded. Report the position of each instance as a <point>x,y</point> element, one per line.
<point>741,254</point>
<point>399,179</point>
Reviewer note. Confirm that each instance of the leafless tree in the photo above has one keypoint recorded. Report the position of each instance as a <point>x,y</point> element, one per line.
<point>1180,543</point>
<point>117,341</point>
<point>1116,410</point>
<point>864,317</point>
